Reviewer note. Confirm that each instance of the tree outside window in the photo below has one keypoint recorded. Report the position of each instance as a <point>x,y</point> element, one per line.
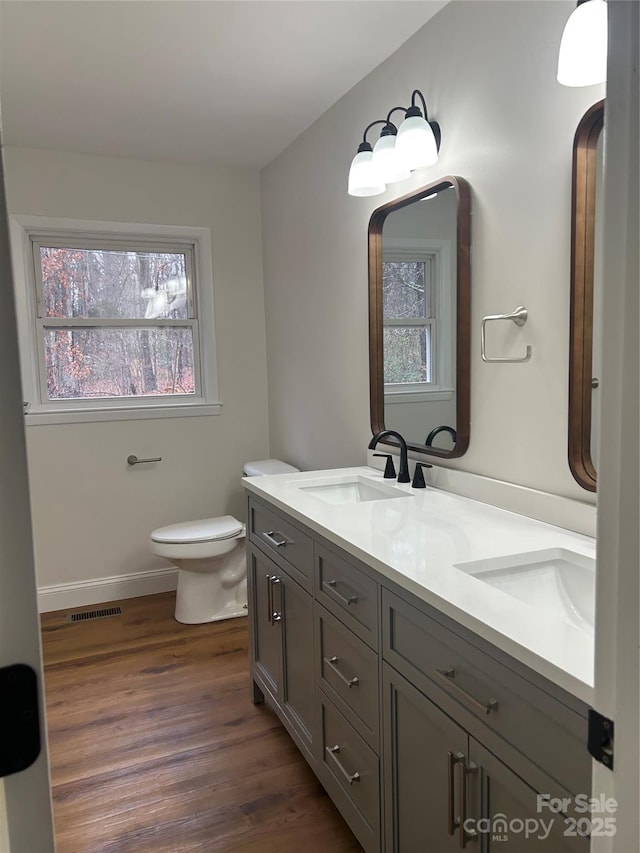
<point>115,322</point>
<point>408,321</point>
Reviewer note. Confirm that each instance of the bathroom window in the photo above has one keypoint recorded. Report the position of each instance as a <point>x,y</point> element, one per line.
<point>117,322</point>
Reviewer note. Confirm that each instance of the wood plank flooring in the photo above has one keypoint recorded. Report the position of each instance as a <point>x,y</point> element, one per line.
<point>156,747</point>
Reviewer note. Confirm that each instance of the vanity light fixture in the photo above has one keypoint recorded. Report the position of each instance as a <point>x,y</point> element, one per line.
<point>398,152</point>
<point>582,60</point>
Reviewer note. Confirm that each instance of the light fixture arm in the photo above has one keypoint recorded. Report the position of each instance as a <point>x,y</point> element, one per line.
<point>392,111</point>
<point>415,111</point>
<point>364,145</point>
<point>389,128</point>
<point>424,103</point>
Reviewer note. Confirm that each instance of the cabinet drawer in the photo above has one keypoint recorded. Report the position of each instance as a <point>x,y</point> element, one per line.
<point>548,732</point>
<point>348,593</point>
<point>351,773</point>
<point>285,543</point>
<point>347,670</point>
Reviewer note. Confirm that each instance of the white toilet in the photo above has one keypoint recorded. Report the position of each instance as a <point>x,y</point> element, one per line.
<point>210,556</point>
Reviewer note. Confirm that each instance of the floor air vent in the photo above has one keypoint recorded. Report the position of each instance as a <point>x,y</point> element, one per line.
<point>94,614</point>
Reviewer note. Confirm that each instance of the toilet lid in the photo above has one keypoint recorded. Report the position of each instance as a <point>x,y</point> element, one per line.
<point>202,530</point>
<point>264,467</point>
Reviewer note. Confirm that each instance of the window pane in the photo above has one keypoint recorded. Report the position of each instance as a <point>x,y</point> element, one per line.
<point>94,283</point>
<point>90,363</point>
<point>407,354</point>
<point>404,289</point>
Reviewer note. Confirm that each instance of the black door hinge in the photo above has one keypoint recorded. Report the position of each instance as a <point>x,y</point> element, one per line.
<point>19,718</point>
<point>600,742</point>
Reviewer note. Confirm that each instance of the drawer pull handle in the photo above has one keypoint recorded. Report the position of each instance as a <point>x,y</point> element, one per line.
<point>270,536</point>
<point>457,821</point>
<point>448,675</point>
<point>452,821</point>
<point>272,580</point>
<point>350,777</point>
<point>275,616</point>
<point>352,599</point>
<point>269,598</point>
<point>464,834</point>
<point>333,663</point>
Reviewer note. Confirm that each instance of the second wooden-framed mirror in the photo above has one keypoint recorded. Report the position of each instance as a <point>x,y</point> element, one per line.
<point>586,295</point>
<point>419,317</point>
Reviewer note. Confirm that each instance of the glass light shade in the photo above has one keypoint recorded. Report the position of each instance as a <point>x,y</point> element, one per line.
<point>363,179</point>
<point>582,60</point>
<point>416,145</point>
<point>386,163</point>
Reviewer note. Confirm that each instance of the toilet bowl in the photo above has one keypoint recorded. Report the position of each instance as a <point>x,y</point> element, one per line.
<point>211,560</point>
<point>212,576</point>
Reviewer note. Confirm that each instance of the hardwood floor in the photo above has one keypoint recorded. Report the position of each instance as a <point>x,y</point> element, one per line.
<point>155,744</point>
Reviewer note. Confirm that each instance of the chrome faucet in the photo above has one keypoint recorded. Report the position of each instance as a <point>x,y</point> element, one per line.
<point>403,473</point>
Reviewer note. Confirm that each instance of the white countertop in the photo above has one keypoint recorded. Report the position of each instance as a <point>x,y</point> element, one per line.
<point>417,543</point>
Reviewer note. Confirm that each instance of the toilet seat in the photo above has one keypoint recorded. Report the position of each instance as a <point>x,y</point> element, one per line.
<point>201,530</point>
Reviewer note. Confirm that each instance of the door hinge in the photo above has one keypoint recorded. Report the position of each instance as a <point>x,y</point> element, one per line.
<point>600,743</point>
<point>19,718</point>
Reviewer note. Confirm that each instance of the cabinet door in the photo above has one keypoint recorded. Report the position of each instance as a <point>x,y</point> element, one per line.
<point>298,688</point>
<point>421,744</point>
<point>511,821</point>
<point>266,629</point>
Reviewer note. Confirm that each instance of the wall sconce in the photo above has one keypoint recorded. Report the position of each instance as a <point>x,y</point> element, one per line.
<point>398,152</point>
<point>583,50</point>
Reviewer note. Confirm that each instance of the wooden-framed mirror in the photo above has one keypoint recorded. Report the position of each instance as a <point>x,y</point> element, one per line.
<point>586,295</point>
<point>419,317</point>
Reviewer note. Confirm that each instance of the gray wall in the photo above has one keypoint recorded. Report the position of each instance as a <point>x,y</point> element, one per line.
<point>93,514</point>
<point>487,70</point>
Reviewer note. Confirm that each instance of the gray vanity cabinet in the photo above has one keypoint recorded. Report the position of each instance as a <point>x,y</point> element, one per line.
<point>496,791</point>
<point>350,772</point>
<point>420,745</point>
<point>297,699</point>
<point>418,728</point>
<point>446,791</point>
<point>267,636</point>
<point>282,644</point>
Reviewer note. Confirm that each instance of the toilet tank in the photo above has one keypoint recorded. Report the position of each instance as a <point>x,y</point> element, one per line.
<point>263,467</point>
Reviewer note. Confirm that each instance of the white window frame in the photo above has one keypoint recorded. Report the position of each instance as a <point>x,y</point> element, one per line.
<point>437,253</point>
<point>27,231</point>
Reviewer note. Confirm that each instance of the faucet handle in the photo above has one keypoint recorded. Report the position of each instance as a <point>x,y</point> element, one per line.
<point>418,476</point>
<point>389,468</point>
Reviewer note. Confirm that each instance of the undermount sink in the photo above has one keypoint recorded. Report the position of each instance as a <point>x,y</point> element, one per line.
<point>350,489</point>
<point>557,580</point>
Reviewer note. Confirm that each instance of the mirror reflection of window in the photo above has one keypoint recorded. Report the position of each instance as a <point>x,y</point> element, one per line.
<point>418,303</point>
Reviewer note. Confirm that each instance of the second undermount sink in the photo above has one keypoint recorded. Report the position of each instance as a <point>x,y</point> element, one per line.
<point>349,489</point>
<point>557,580</point>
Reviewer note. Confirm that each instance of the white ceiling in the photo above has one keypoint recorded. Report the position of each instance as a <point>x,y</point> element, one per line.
<point>198,81</point>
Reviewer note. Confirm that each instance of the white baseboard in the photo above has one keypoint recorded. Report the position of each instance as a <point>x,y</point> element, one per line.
<point>79,593</point>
